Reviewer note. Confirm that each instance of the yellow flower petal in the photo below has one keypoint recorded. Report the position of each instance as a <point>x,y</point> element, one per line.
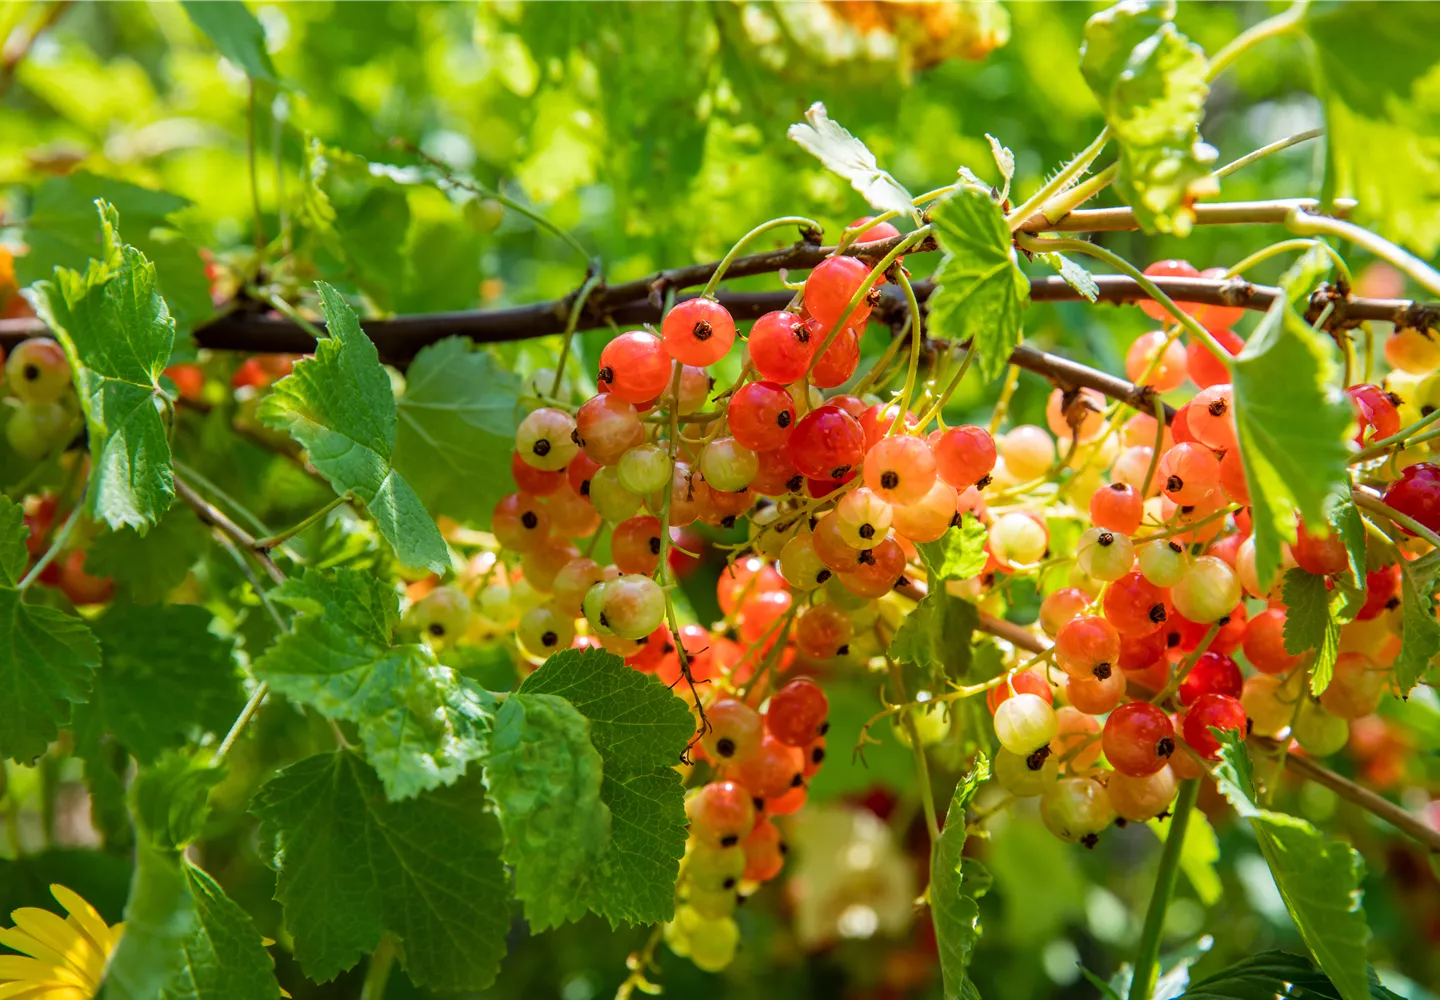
<point>17,940</point>
<point>35,971</point>
<point>51,930</point>
<point>84,915</point>
<point>43,991</point>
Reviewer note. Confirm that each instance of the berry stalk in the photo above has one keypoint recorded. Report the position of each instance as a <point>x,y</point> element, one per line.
<point>1147,960</point>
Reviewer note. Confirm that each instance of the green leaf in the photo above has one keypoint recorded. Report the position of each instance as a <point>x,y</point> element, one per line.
<point>1310,624</point>
<point>1198,855</point>
<point>1076,276</point>
<point>958,554</point>
<point>61,231</point>
<point>117,333</point>
<point>236,33</point>
<point>1376,72</point>
<point>226,955</point>
<point>340,407</point>
<point>1419,631</point>
<point>164,679</point>
<point>640,729</point>
<point>544,776</point>
<point>952,890</point>
<point>1273,974</point>
<point>1150,81</point>
<point>981,291</point>
<point>170,799</point>
<point>353,865</point>
<point>419,723</point>
<point>146,568</point>
<point>13,532</point>
<point>46,662</point>
<point>1319,879</point>
<point>457,429</point>
<point>1292,422</point>
<point>936,637</point>
<point>847,156</point>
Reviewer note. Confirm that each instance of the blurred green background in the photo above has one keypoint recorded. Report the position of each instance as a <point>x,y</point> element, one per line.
<point>655,134</point>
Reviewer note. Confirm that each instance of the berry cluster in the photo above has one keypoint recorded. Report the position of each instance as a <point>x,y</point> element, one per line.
<point>44,411</point>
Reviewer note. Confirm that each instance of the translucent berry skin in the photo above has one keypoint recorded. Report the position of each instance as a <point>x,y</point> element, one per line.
<point>1024,682</point>
<point>1169,269</point>
<point>1218,318</point>
<point>879,570</point>
<point>1208,592</point>
<point>963,455</point>
<point>1219,711</point>
<point>1232,478</point>
<point>1096,695</point>
<point>1135,606</point>
<point>789,803</point>
<point>827,443</point>
<point>1356,688</point>
<point>1018,539</point>
<point>632,606</point>
<point>1205,368</point>
<point>760,612</point>
<point>762,416</point>
<point>1018,778</point>
<point>838,361</point>
<point>545,439</point>
<point>900,469</point>
<point>698,332</point>
<point>1117,507</point>
<point>822,631</point>
<point>1076,809</point>
<point>580,472</point>
<point>831,286</point>
<point>1024,723</point>
<point>1381,586</point>
<point>1188,472</point>
<point>1137,799</point>
<point>1060,606</point>
<point>796,716</point>
<point>764,853</point>
<point>1318,732</point>
<point>1077,739</point>
<point>1087,406</point>
<point>777,474</point>
<point>608,427</point>
<point>1157,361</point>
<point>1087,646</point>
<point>863,519</point>
<point>635,366</point>
<point>37,371</point>
<point>1164,563</point>
<point>1265,643</point>
<point>1138,738</point>
<point>571,515</point>
<point>773,769</point>
<point>721,814</point>
<point>930,517</point>
<point>745,576</point>
<point>1105,555</point>
<point>1411,350</point>
<point>735,732</point>
<point>544,561</point>
<point>544,630</point>
<point>781,347</point>
<point>635,545</point>
<point>877,420</point>
<point>830,546</point>
<point>1324,556</point>
<point>1213,673</point>
<point>1139,652</point>
<point>573,581</point>
<point>536,482</point>
<point>1212,416</point>
<point>519,522</point>
<point>875,234</point>
<point>1375,412</point>
<point>1028,450</point>
<point>728,466</point>
<point>1417,495</point>
<point>814,757</point>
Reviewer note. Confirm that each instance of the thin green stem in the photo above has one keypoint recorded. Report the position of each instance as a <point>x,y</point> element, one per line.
<point>1060,181</point>
<point>242,720</point>
<point>1285,246</point>
<point>576,308</point>
<point>922,767</point>
<point>1180,529</point>
<point>295,317</point>
<point>236,506</point>
<point>1179,676</point>
<point>809,225</point>
<point>57,545</point>
<point>1282,23</point>
<point>377,974</point>
<point>1155,451</point>
<point>1377,506</point>
<point>997,415</point>
<point>1264,151</point>
<point>1147,960</point>
<point>883,362</point>
<point>944,397</point>
<point>1067,201</point>
<point>280,538</point>
<point>1380,447</point>
<point>1305,224</point>
<point>908,392</point>
<point>252,113</point>
<point>662,570</point>
<point>871,279</point>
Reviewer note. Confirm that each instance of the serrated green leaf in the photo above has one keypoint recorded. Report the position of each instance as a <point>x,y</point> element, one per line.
<point>456,430</point>
<point>13,533</point>
<point>1292,422</point>
<point>981,291</point>
<point>159,918</point>
<point>146,568</point>
<point>1419,631</point>
<point>117,333</point>
<point>340,407</point>
<point>1344,519</point>
<point>847,156</point>
<point>953,891</point>
<point>419,722</point>
<point>46,662</point>
<point>1150,81</point>
<point>1076,276</point>
<point>544,777</point>
<point>958,554</point>
<point>1319,879</point>
<point>1273,974</point>
<point>1375,69</point>
<point>1310,624</point>
<point>1198,855</point>
<point>164,679</point>
<point>936,638</point>
<point>640,729</point>
<point>170,798</point>
<point>60,231</point>
<point>353,865</point>
<point>236,33</point>
<point>226,955</point>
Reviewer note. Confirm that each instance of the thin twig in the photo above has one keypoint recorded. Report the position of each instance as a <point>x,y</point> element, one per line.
<point>1405,822</point>
<point>216,518</point>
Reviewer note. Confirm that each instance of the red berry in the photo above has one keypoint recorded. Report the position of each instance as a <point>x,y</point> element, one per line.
<point>698,332</point>
<point>1138,739</point>
<point>1265,643</point>
<point>1117,507</point>
<point>777,474</point>
<point>879,570</point>
<point>735,732</point>
<point>536,482</point>
<point>721,814</point>
<point>781,347</point>
<point>608,427</point>
<point>1212,416</point>
<point>745,576</point>
<point>759,613</point>
<point>81,587</point>
<point>814,757</point>
<point>1169,269</point>
<point>762,416</point>
<point>1380,589</point>
<point>1218,319</point>
<point>822,631</point>
<point>1416,494</point>
<point>1135,606</point>
<point>963,455</point>
<point>764,852</point>
<point>635,367</point>
<point>797,711</point>
<point>1025,682</point>
<point>1219,711</point>
<point>831,286</point>
<point>1375,412</point>
<point>876,233</point>
<point>773,769</point>
<point>1139,652</point>
<point>1323,556</point>
<point>1213,673</point>
<point>1188,473</point>
<point>1087,646</point>
<point>1204,367</point>
<point>827,443</point>
<point>520,522</point>
<point>839,360</point>
<point>635,545</point>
